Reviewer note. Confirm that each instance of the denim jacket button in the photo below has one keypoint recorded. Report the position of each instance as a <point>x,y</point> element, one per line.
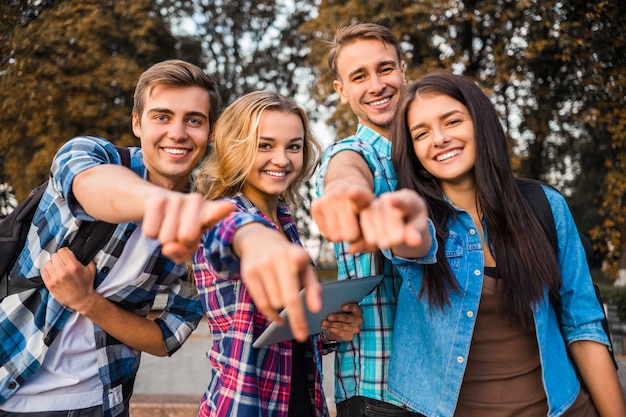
<point>477,272</point>
<point>459,359</point>
<point>470,314</point>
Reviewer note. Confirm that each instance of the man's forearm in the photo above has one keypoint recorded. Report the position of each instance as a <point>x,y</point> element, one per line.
<point>112,193</point>
<point>129,328</point>
<point>348,168</point>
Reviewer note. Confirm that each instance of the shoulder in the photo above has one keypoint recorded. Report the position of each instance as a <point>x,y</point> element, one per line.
<point>375,155</point>
<point>97,149</point>
<point>351,143</point>
<point>93,144</point>
<point>557,201</point>
<point>245,212</point>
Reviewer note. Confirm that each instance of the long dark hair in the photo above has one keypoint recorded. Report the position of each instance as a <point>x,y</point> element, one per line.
<point>526,261</point>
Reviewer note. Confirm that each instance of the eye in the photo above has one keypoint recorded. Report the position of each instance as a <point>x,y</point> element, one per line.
<point>195,122</point>
<point>453,122</point>
<point>419,136</point>
<point>161,118</point>
<point>265,146</point>
<point>294,147</point>
<point>358,77</point>
<point>386,70</point>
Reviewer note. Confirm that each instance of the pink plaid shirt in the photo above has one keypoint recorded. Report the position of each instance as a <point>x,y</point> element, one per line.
<point>245,381</point>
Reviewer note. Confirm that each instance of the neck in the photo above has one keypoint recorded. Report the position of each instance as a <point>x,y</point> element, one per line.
<point>381,130</point>
<point>461,195</point>
<point>267,206</point>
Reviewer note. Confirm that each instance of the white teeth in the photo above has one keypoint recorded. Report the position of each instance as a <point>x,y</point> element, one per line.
<point>380,102</point>
<point>175,151</point>
<point>276,174</point>
<point>448,155</point>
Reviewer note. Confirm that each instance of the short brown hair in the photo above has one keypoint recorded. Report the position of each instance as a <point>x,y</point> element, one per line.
<point>360,31</point>
<point>176,73</point>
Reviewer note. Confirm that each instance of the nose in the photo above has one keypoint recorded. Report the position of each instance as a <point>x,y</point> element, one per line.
<point>177,131</point>
<point>377,85</point>
<point>440,138</point>
<point>279,158</point>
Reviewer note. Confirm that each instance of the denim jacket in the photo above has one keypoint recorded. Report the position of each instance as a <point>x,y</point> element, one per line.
<point>431,347</point>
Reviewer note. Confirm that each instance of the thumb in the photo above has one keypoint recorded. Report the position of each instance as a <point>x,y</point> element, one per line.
<point>216,211</point>
<point>361,197</point>
<point>312,290</point>
<point>91,267</point>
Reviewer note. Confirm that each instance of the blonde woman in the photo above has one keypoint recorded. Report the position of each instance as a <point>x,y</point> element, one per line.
<point>251,264</point>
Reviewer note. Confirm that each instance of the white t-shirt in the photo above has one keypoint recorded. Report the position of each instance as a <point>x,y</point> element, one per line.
<point>68,378</point>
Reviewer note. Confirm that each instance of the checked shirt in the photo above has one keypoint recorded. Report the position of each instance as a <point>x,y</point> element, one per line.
<point>361,366</point>
<point>245,381</point>
<point>28,327</point>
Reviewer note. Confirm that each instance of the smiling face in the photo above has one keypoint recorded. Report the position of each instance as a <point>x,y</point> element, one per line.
<point>443,137</point>
<point>370,79</point>
<point>279,158</point>
<point>174,133</point>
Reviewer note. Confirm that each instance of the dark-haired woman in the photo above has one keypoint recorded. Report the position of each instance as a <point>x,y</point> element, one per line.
<point>476,332</point>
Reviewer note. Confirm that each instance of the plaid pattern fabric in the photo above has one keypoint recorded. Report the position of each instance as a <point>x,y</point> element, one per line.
<point>246,381</point>
<point>28,327</point>
<point>362,365</point>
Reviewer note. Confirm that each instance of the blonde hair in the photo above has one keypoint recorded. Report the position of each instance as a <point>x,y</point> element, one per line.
<point>236,142</point>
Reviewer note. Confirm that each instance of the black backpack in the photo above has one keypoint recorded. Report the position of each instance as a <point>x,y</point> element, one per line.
<point>538,200</point>
<point>91,236</point>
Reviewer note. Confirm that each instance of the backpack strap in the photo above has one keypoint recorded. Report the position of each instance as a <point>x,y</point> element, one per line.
<point>539,201</point>
<point>89,239</point>
<point>92,236</point>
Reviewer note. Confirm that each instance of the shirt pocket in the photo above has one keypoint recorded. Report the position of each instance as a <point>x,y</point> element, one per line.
<point>454,252</point>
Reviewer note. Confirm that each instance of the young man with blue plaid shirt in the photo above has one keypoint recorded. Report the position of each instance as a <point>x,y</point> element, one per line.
<point>369,75</point>
<point>73,348</point>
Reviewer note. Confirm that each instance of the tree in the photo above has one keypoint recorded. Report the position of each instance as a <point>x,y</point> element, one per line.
<point>7,200</point>
<point>69,68</point>
<point>249,45</point>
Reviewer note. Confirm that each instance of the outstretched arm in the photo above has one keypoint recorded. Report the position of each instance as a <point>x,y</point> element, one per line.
<point>398,221</point>
<point>348,188</point>
<point>71,284</point>
<point>115,194</point>
<point>274,271</point>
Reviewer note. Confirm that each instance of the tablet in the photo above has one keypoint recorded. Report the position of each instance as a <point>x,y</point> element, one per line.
<point>334,295</point>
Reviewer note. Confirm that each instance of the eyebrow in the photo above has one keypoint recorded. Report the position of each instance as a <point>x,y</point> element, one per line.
<point>380,64</point>
<point>442,117</point>
<point>270,139</point>
<point>189,113</point>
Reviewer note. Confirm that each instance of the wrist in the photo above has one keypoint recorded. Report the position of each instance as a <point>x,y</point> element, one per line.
<point>328,341</point>
<point>88,304</point>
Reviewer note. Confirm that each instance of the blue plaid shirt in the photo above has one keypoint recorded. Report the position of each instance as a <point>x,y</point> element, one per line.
<point>27,327</point>
<point>362,365</point>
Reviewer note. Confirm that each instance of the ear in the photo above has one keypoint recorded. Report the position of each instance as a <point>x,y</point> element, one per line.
<point>136,125</point>
<point>338,86</point>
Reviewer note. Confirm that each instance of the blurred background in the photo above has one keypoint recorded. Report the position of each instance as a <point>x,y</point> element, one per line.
<point>555,69</point>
